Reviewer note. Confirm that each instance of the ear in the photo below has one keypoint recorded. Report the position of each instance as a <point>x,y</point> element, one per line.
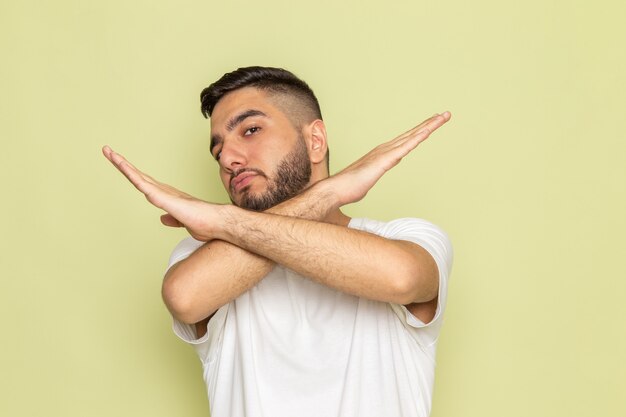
<point>315,134</point>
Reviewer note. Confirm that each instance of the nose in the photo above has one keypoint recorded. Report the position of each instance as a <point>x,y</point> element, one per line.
<point>232,157</point>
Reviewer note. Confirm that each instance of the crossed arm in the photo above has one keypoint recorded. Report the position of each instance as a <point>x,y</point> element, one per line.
<point>304,234</point>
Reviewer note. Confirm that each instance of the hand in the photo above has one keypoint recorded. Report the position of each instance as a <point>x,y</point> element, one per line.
<point>183,210</point>
<point>353,183</point>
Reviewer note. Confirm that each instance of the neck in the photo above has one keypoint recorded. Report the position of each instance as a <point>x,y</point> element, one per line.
<point>335,216</point>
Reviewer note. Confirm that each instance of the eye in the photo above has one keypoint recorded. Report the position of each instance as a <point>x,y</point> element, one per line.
<point>252,130</point>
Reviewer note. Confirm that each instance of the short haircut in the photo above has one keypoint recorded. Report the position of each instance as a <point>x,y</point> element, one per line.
<point>302,105</point>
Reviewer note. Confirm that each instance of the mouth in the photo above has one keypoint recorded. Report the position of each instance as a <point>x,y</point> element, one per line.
<point>242,179</point>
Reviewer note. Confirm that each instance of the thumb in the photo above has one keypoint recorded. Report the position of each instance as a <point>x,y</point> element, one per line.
<point>169,220</point>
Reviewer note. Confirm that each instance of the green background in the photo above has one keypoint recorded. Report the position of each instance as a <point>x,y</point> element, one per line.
<point>529,179</point>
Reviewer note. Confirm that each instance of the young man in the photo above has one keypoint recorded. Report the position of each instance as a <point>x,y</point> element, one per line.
<point>293,307</point>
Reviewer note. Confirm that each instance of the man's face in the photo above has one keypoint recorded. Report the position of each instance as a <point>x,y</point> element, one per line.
<point>263,158</point>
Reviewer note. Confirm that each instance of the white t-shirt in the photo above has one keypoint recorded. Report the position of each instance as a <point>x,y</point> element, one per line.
<point>292,347</point>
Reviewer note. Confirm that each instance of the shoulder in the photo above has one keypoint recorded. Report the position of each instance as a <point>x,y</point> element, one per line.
<point>422,232</point>
<point>437,243</point>
<point>407,226</point>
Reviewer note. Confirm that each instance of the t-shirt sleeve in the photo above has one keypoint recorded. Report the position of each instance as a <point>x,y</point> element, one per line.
<point>187,332</point>
<point>182,251</point>
<point>436,242</point>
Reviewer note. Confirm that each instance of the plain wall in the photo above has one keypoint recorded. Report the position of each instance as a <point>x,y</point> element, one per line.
<point>529,180</point>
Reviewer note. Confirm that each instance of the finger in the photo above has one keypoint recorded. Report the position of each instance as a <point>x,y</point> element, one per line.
<point>135,177</point>
<point>117,160</point>
<point>114,157</point>
<point>423,130</point>
<point>419,137</point>
<point>132,174</point>
<point>420,126</point>
<point>426,122</point>
<point>435,122</point>
<point>415,137</point>
<point>171,221</point>
<point>106,150</point>
<point>145,185</point>
<point>432,123</point>
<point>125,167</point>
<point>142,181</point>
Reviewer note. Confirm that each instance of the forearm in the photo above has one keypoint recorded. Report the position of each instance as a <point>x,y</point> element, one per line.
<point>351,261</point>
<point>219,271</point>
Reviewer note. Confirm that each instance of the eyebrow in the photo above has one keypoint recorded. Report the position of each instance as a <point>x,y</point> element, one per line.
<point>233,123</point>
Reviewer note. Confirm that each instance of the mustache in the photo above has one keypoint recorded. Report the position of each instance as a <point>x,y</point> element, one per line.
<point>234,174</point>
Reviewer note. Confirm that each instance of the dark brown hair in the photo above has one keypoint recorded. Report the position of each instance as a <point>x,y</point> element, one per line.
<point>274,80</point>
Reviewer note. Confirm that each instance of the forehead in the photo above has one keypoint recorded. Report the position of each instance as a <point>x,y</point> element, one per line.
<point>238,101</point>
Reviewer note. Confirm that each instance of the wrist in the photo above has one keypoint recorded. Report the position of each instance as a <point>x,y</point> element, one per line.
<point>227,215</point>
<point>314,203</point>
<point>327,192</point>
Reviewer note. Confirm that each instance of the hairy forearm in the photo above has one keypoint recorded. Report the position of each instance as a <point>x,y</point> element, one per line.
<point>219,271</point>
<point>193,289</point>
<point>348,260</point>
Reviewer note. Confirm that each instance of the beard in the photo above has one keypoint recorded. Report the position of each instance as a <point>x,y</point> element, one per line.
<point>292,176</point>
